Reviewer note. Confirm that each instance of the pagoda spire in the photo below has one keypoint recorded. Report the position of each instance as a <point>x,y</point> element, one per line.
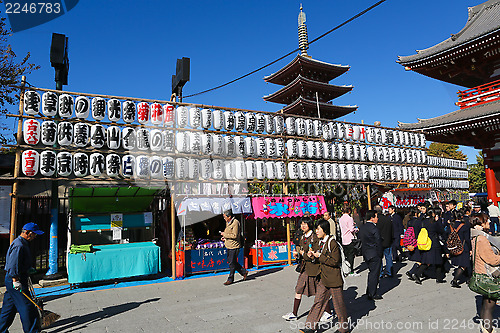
<point>303,39</point>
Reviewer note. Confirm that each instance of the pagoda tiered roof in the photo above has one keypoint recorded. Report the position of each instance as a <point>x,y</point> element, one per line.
<point>307,88</point>
<point>306,67</point>
<point>306,107</point>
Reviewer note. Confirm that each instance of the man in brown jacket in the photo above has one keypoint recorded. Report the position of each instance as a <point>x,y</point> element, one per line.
<point>232,241</point>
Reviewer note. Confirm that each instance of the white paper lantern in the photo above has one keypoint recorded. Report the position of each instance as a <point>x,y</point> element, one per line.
<point>269,123</point>
<point>168,115</point>
<point>378,135</point>
<point>182,142</point>
<point>309,127</point>
<point>261,147</point>
<point>157,140</point>
<point>181,168</point>
<point>229,146</point>
<point>300,126</point>
<point>340,130</point>
<point>362,133</point>
<point>387,155</point>
<point>409,156</point>
<point>380,172</point>
<point>114,110</point>
<point>318,128</point>
<point>293,170</point>
<point>363,153</point>
<point>97,136</point>
<point>194,117</point>
<point>129,138</point>
<point>320,172</point>
<point>49,103</point>
<point>303,171</point>
<point>193,168</point>
<point>371,153</point>
<point>327,150</point>
<point>240,121</point>
<point>335,171</point>
<point>229,170</point>
<point>302,149</point>
<point>349,149</point>
<point>128,166</point>
<point>292,148</point>
<point>251,170</point>
<point>218,146</point>
<point>370,135</point>
<point>157,116</point>
<point>311,170</point>
<point>342,151</point>
<point>81,134</point>
<point>260,169</point>
<point>206,118</point>
<point>327,170</point>
<point>270,170</point>
<point>81,164</point>
<point>406,138</point>
<point>356,151</point>
<point>351,172</point>
<point>270,147</point>
<point>326,132</point>
<point>64,164</point>
<point>240,170</point>
<point>98,108</point>
<point>395,138</point>
<point>380,154</point>
<point>383,136</point>
<point>206,168</point>
<point>343,171</point>
<point>372,171</point>
<point>64,133</point>
<point>291,128</point>
<point>423,142</point>
<point>31,131</point>
<point>142,167</point>
<point>47,163</point>
<point>280,147</point>
<point>239,142</point>
<point>365,175</point>
<point>333,130</point>
<point>82,107</point>
<point>250,147</point>
<point>143,112</point>
<point>129,111</point>
<point>279,124</point>
<point>207,144</point>
<point>182,116</point>
<point>310,149</point>
<point>97,164</point>
<point>260,123</point>
<point>318,150</point>
<point>114,137</point>
<point>335,151</point>
<point>280,170</point>
<point>349,132</point>
<point>155,167</point>
<point>228,120</point>
<point>218,119</point>
<point>194,143</point>
<point>65,106</point>
<point>168,164</point>
<point>251,122</point>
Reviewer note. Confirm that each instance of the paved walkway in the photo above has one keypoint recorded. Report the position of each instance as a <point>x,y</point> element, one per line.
<point>256,305</point>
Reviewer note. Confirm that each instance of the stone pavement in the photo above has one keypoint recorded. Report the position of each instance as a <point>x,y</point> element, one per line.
<point>256,305</point>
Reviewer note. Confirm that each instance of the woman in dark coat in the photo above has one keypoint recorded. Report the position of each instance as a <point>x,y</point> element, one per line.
<point>462,226</point>
<point>434,256</point>
<point>415,254</point>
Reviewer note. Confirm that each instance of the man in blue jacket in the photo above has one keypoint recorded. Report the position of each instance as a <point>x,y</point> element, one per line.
<point>17,264</point>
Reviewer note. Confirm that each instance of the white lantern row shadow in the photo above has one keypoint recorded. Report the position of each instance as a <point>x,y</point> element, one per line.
<point>448,173</point>
<point>446,162</point>
<point>192,117</point>
<point>449,183</point>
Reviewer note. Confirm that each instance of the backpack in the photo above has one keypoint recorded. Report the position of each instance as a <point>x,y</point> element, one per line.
<point>453,243</point>
<point>345,267</point>
<point>423,241</point>
<point>409,237</point>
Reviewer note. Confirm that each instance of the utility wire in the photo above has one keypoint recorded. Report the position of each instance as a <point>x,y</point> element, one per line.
<point>291,52</point>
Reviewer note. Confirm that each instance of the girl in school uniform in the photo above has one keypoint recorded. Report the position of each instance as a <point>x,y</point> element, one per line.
<point>463,261</point>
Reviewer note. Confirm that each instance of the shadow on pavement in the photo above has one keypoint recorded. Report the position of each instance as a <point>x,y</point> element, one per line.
<point>80,323</point>
<point>253,275</point>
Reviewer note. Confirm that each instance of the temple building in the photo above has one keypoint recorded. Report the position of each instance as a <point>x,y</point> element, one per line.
<point>306,89</point>
<point>469,58</point>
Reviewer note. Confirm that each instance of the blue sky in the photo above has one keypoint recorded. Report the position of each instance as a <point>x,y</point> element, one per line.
<point>129,48</point>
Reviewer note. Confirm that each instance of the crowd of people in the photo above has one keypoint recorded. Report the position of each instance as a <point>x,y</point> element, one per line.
<point>436,240</point>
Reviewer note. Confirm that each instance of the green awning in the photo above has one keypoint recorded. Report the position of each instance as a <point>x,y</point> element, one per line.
<point>111,199</point>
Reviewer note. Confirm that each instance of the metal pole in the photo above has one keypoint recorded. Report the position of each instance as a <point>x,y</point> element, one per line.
<point>19,137</point>
<point>172,226</point>
<point>257,243</point>
<point>288,238</point>
<point>369,197</point>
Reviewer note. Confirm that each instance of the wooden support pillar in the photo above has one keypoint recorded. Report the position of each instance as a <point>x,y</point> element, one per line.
<point>369,197</point>
<point>17,166</point>
<point>491,184</point>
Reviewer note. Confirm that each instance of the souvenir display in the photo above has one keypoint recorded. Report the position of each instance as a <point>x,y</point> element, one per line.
<point>98,108</point>
<point>80,164</point>
<point>129,111</point>
<point>250,147</point>
<point>194,143</point>
<point>251,121</point>
<point>270,147</point>
<point>251,170</point>
<point>260,123</point>
<point>49,104</point>
<point>114,110</point>
<point>168,115</point>
<point>300,126</point>
<point>113,165</point>
<point>218,147</point>
<point>205,168</point>
<point>309,127</point>
<point>30,160</point>
<point>47,163</point>
<point>260,169</point>
<point>229,170</point>
<point>128,166</point>
<point>64,133</point>
<point>65,106</point>
<point>228,120</point>
<point>291,128</point>
<point>240,121</point>
<point>207,143</point>
<point>31,131</point>
<point>218,169</point>
<point>270,170</point>
<point>157,115</point>
<point>279,124</point>
<point>181,116</point>
<point>280,170</point>
<point>155,167</point>
<point>82,107</point>
<point>114,137</point>
<point>98,164</point>
<point>81,134</point>
<point>156,139</point>
<point>218,119</point>
<point>64,164</point>
<point>269,121</point>
<point>240,170</point>
<point>128,138</point>
<point>143,141</point>
<point>229,146</point>
<point>97,136</point>
<point>292,148</point>
<point>193,168</point>
<point>182,142</point>
<point>168,167</point>
<point>142,169</point>
<point>293,170</point>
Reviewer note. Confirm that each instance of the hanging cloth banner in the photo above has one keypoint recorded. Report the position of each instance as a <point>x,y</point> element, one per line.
<point>281,207</point>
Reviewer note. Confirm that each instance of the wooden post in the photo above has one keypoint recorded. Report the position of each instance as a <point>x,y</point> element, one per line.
<point>172,226</point>
<point>288,238</point>
<point>369,197</point>
<point>17,167</point>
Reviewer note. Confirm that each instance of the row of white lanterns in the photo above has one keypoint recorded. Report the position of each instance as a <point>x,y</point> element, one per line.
<point>449,183</point>
<point>446,162</point>
<point>448,173</point>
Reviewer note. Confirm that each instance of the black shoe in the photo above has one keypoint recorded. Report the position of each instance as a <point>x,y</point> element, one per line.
<point>306,330</point>
<point>441,281</point>
<point>455,284</point>
<point>227,283</point>
<point>416,279</point>
<point>375,297</point>
<point>410,276</point>
<point>245,276</point>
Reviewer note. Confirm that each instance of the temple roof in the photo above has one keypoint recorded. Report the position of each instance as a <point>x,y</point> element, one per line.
<point>307,67</point>
<point>483,19</point>
<point>455,118</point>
<point>307,88</point>
<point>306,107</point>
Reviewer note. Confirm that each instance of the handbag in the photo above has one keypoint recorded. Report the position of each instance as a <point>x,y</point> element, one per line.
<point>300,266</point>
<point>356,245</point>
<point>483,284</point>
